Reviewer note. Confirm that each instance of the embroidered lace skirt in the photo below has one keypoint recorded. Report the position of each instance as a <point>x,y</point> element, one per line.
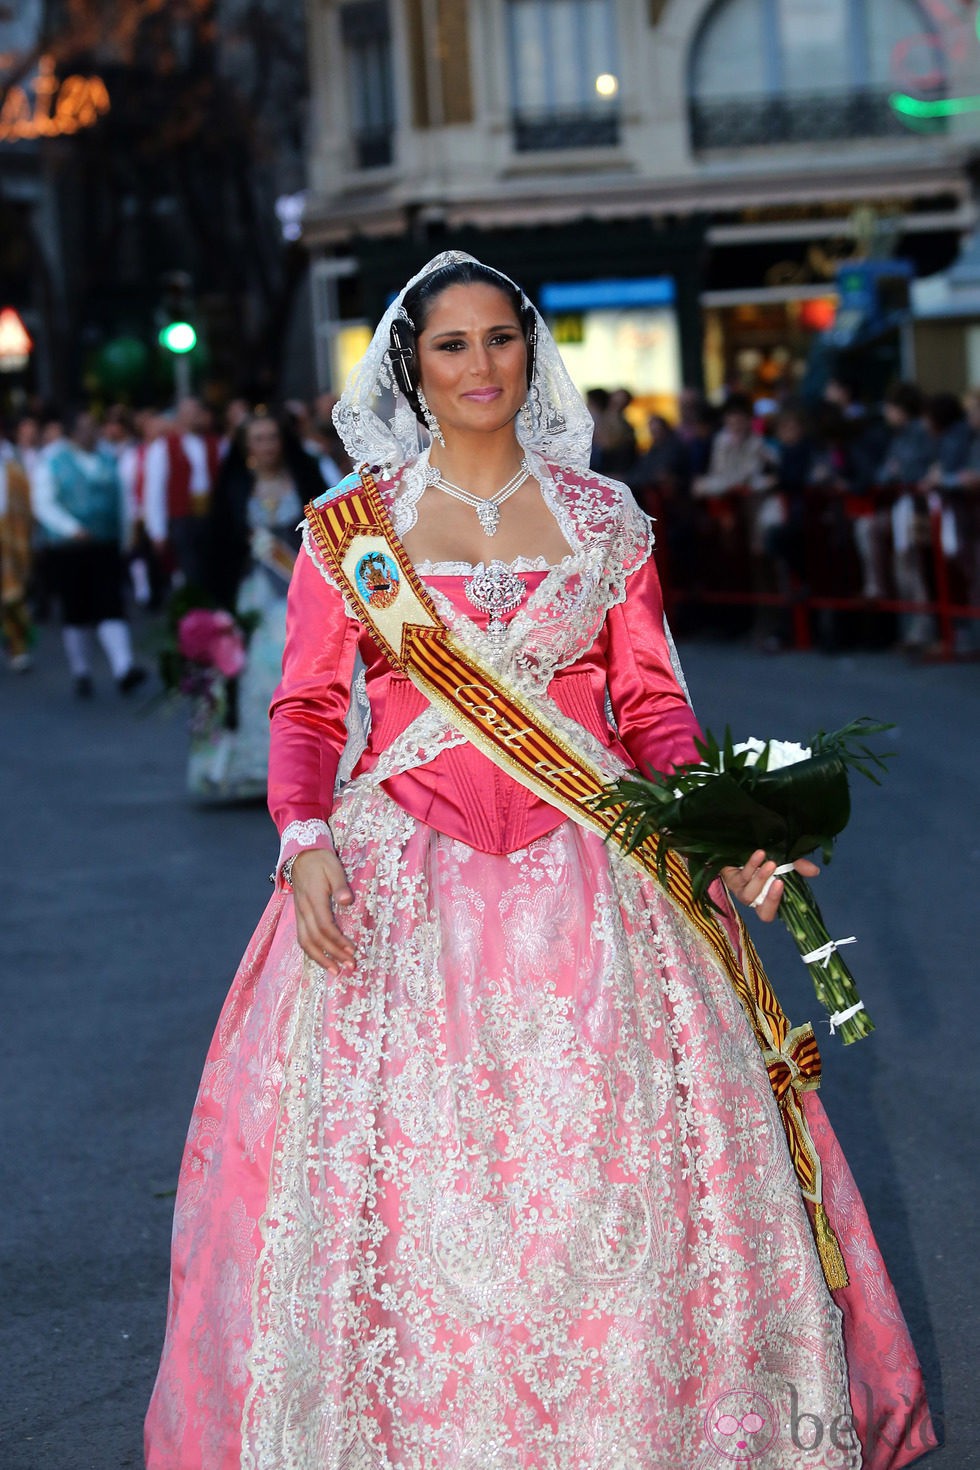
<point>514,1196</point>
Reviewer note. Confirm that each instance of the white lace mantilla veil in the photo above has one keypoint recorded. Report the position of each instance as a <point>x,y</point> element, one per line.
<point>378,426</point>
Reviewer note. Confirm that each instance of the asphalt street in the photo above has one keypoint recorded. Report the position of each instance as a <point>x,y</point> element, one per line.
<point>126,908</point>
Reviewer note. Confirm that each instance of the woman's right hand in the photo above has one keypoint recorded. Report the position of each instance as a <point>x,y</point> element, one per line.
<point>319,883</point>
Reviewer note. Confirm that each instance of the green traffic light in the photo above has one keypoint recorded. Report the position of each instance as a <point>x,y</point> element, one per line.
<point>179,337</point>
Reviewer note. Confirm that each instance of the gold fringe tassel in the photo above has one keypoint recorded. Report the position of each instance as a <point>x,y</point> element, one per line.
<point>828,1248</point>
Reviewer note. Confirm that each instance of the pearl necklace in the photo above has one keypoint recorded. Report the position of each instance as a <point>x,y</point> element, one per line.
<point>487,509</point>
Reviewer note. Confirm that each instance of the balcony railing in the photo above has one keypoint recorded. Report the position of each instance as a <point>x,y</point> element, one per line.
<point>555,130</point>
<point>812,117</point>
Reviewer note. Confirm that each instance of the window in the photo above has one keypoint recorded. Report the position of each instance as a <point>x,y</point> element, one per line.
<point>788,71</point>
<point>367,44</point>
<point>564,73</point>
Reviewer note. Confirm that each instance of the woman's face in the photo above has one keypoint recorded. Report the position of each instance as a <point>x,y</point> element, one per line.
<point>264,445</point>
<point>472,359</point>
<point>85,431</point>
<point>28,434</point>
<point>789,429</point>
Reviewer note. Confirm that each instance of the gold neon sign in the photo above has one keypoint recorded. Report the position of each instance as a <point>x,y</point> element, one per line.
<point>56,109</point>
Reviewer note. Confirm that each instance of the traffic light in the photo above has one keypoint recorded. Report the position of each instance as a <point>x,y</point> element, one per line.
<point>176,332</point>
<point>179,337</point>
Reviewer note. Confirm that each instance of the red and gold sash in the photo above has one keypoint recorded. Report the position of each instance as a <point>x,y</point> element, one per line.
<point>353,534</point>
<point>271,552</point>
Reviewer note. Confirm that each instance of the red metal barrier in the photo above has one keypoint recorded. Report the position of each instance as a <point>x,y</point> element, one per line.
<point>728,567</point>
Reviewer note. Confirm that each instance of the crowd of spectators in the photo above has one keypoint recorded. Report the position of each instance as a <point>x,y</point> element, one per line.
<point>103,512</point>
<point>858,511</point>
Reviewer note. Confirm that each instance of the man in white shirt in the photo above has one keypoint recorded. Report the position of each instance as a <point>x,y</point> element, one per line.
<point>179,475</point>
<point>149,579</point>
<point>78,503</point>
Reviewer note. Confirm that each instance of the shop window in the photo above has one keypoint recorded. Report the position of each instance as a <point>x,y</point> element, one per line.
<point>564,73</point>
<point>804,71</point>
<point>367,45</point>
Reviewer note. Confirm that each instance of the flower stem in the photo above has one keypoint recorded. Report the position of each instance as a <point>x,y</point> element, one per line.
<point>833,982</point>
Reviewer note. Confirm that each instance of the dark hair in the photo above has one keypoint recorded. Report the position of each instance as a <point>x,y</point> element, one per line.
<point>906,397</point>
<point>403,352</point>
<point>848,381</point>
<point>830,422</point>
<point>121,414</point>
<point>74,416</point>
<point>737,403</point>
<point>943,410</point>
<point>793,413</point>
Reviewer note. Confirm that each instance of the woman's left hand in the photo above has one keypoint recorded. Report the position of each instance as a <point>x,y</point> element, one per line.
<point>747,882</point>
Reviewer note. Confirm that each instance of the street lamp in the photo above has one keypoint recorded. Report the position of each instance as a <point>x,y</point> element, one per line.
<point>15,342</point>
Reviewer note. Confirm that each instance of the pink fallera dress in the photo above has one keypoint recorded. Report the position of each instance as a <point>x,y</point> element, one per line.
<point>515,1194</point>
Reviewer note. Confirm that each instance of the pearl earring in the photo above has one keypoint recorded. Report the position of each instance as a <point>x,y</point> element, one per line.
<point>431,422</point>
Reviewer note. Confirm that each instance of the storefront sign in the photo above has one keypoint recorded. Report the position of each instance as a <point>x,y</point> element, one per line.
<point>572,296</point>
<point>48,108</point>
<point>952,37</point>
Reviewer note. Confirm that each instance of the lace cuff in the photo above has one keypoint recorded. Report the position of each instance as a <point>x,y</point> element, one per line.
<point>300,837</point>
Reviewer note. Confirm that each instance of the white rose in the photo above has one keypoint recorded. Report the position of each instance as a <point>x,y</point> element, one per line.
<point>781,752</point>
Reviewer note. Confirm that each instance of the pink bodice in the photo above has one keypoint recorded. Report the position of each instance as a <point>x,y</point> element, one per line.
<point>460,792</point>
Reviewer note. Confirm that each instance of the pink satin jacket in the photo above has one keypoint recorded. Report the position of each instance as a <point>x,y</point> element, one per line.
<point>592,625</point>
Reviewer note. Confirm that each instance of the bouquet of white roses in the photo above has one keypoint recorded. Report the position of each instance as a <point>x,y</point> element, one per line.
<point>786,799</point>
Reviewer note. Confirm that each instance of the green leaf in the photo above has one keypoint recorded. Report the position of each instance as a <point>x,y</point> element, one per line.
<point>717,811</point>
<point>847,745</point>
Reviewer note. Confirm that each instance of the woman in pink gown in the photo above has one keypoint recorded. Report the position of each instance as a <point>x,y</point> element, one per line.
<point>485,1171</point>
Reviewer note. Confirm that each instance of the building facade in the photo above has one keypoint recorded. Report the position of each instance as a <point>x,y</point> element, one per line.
<point>676,182</point>
<point>145,152</point>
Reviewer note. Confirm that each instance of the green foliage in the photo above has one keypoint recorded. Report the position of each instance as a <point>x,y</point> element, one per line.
<point>845,745</point>
<point>717,811</point>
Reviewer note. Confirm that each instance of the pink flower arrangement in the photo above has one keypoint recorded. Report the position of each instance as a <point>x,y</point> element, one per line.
<point>212,638</point>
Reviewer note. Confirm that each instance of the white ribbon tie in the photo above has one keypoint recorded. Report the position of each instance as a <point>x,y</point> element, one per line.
<point>839,1017</point>
<point>822,955</point>
<point>779,873</point>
